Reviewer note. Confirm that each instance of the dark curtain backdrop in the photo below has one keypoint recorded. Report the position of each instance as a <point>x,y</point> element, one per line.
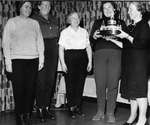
<point>89,10</point>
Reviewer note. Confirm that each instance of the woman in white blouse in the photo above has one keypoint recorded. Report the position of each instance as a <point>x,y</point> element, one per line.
<point>76,60</point>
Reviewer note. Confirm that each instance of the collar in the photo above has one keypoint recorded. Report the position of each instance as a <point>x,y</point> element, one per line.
<point>41,18</point>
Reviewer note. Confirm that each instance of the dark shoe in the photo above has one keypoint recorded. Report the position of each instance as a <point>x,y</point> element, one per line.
<point>128,123</point>
<point>40,114</point>
<point>73,112</point>
<point>79,112</point>
<point>146,123</point>
<point>27,119</point>
<point>19,120</point>
<point>50,114</point>
<point>110,118</point>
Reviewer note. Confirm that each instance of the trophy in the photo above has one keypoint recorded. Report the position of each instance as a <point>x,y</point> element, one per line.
<point>110,29</point>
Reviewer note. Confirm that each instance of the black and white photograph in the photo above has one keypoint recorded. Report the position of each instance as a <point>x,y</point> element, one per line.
<point>74,62</point>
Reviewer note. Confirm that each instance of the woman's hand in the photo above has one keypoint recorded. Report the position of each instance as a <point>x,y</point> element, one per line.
<point>89,66</point>
<point>8,64</point>
<point>125,35</point>
<point>64,67</point>
<point>122,34</point>
<point>41,62</point>
<point>96,34</point>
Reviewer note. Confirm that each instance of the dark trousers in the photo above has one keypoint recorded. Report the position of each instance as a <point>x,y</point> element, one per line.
<point>23,80</point>
<point>76,61</point>
<point>47,76</point>
<point>107,73</point>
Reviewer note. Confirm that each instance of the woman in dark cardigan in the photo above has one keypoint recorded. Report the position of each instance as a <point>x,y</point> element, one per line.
<point>135,70</point>
<point>47,76</point>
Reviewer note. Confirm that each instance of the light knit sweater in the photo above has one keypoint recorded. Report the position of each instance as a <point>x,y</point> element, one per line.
<point>22,39</point>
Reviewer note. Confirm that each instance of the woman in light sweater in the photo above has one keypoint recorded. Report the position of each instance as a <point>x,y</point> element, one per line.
<point>24,55</point>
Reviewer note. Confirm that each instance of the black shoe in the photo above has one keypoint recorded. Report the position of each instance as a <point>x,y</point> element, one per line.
<point>128,123</point>
<point>79,112</point>
<point>73,114</point>
<point>72,111</point>
<point>20,120</point>
<point>41,116</point>
<point>50,114</point>
<point>27,119</point>
<point>110,118</point>
<point>146,123</point>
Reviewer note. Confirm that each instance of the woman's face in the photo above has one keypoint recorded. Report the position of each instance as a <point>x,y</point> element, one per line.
<point>44,8</point>
<point>26,9</point>
<point>74,20</point>
<point>108,10</point>
<point>133,12</point>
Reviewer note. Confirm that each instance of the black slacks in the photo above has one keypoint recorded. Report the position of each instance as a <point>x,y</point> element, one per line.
<point>47,76</point>
<point>107,68</point>
<point>76,61</point>
<point>24,84</point>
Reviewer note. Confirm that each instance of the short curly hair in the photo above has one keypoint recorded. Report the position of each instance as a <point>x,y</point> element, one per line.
<point>70,15</point>
<point>140,7</point>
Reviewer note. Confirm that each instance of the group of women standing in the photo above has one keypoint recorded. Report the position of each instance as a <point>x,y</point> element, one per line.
<point>31,54</point>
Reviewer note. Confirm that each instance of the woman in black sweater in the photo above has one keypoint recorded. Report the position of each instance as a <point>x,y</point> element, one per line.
<point>107,61</point>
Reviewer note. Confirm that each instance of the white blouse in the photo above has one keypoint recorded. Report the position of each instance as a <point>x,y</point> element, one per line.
<point>71,39</point>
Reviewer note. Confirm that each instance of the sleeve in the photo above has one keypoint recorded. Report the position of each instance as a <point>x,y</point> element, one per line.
<point>6,41</point>
<point>62,39</point>
<point>141,38</point>
<point>96,26</point>
<point>125,29</point>
<point>40,42</point>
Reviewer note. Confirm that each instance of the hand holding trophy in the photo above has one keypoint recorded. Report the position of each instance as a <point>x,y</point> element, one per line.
<point>111,29</point>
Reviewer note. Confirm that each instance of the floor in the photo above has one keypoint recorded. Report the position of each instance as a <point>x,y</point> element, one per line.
<point>63,118</point>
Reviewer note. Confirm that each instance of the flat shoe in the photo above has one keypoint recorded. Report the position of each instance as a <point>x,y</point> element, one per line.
<point>146,123</point>
<point>110,118</point>
<point>128,123</point>
<point>98,117</point>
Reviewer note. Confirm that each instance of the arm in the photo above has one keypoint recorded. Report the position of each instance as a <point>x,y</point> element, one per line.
<point>61,51</point>
<point>40,46</point>
<point>89,53</point>
<point>61,57</point>
<point>142,35</point>
<point>6,45</point>
<point>126,30</point>
<point>125,35</point>
<point>94,35</point>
